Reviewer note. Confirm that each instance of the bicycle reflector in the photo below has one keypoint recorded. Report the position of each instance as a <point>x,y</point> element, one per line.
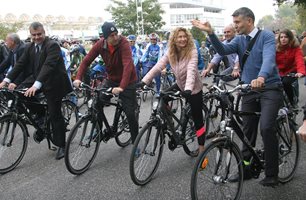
<point>9,103</point>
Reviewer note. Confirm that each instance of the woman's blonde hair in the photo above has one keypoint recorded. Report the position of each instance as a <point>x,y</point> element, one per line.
<point>176,54</point>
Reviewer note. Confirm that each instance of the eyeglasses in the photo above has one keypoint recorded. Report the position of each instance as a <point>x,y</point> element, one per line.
<point>37,34</point>
<point>153,39</point>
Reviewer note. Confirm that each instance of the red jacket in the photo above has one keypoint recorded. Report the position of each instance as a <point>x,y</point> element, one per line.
<point>119,65</point>
<point>290,60</point>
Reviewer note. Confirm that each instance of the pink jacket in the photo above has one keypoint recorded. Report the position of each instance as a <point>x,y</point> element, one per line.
<point>185,71</point>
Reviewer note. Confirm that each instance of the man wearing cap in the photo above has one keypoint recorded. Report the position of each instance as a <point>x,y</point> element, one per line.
<point>116,53</point>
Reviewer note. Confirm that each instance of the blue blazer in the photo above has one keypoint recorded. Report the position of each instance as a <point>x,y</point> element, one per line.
<point>261,61</point>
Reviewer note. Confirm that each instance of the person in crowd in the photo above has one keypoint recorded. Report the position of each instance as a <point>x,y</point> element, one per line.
<point>136,54</point>
<point>3,55</point>
<point>204,51</point>
<point>302,129</point>
<point>150,58</point>
<point>303,47</point>
<point>16,48</point>
<point>289,59</point>
<point>182,56</point>
<point>232,60</point>
<point>42,58</point>
<point>121,74</point>
<point>260,70</point>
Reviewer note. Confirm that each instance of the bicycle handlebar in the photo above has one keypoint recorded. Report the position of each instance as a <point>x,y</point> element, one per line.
<point>106,91</point>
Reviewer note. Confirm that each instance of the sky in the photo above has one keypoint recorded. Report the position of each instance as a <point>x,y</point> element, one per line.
<point>95,8</point>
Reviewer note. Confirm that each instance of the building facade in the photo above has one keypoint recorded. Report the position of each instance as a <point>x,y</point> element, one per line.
<point>181,12</point>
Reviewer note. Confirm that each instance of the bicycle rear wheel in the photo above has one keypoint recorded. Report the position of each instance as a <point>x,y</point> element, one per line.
<point>13,142</point>
<point>289,150</point>
<point>146,153</point>
<point>215,114</point>
<point>70,113</point>
<point>213,170</point>
<point>82,145</point>
<point>191,143</point>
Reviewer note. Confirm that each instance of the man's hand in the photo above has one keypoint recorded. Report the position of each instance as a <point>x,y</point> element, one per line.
<point>12,86</point>
<point>205,72</point>
<point>3,84</point>
<point>30,92</point>
<point>77,83</point>
<point>202,26</point>
<point>302,131</point>
<point>258,83</point>
<point>117,90</point>
<point>235,73</point>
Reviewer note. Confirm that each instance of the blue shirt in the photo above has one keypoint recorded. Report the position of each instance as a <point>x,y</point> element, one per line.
<point>261,61</point>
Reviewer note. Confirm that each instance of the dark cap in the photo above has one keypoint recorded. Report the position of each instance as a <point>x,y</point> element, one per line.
<point>108,28</point>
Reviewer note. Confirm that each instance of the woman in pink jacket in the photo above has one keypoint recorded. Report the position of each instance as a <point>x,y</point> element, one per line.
<point>183,58</point>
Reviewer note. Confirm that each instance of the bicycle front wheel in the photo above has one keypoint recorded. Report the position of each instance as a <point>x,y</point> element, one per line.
<point>82,145</point>
<point>289,150</point>
<point>213,171</point>
<point>13,143</point>
<point>146,153</point>
<point>123,139</point>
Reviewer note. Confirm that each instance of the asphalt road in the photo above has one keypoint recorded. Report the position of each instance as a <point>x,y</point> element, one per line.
<point>40,177</point>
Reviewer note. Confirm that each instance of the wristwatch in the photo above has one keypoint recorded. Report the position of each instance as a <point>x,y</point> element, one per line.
<point>236,68</point>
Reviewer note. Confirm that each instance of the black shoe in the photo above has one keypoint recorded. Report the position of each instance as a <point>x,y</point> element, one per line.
<point>247,175</point>
<point>38,136</point>
<point>60,153</point>
<point>270,181</point>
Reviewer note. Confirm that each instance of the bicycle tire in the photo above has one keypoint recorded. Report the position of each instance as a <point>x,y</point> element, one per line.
<point>289,150</point>
<point>123,138</point>
<point>141,151</point>
<point>12,132</point>
<point>70,113</point>
<point>81,137</point>
<point>191,145</point>
<point>215,114</point>
<point>213,180</point>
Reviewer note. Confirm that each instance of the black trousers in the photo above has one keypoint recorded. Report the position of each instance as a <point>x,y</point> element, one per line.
<point>57,121</point>
<point>268,102</point>
<point>196,105</point>
<point>129,105</point>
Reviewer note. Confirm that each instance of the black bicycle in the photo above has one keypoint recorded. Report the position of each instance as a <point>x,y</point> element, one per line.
<point>85,137</point>
<point>13,125</point>
<point>149,144</point>
<point>221,160</point>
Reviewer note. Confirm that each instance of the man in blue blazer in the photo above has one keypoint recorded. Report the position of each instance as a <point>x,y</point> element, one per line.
<point>260,71</point>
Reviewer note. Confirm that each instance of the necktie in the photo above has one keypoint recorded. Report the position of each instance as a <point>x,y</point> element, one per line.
<point>36,61</point>
<point>248,39</point>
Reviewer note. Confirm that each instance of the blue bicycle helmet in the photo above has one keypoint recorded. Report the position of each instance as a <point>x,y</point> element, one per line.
<point>131,38</point>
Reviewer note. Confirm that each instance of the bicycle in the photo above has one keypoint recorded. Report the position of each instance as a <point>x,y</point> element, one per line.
<point>13,126</point>
<point>85,137</point>
<point>150,141</point>
<point>222,158</point>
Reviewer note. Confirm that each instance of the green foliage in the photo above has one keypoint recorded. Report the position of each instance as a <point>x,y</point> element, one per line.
<point>125,16</point>
<point>198,34</point>
<point>300,3</point>
<point>8,28</point>
<point>287,16</point>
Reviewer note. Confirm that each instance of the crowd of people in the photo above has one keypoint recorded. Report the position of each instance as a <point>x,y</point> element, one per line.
<point>52,66</point>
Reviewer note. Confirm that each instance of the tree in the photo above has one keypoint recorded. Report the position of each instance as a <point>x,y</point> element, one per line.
<point>8,28</point>
<point>125,15</point>
<point>198,34</point>
<point>300,3</point>
<point>286,17</point>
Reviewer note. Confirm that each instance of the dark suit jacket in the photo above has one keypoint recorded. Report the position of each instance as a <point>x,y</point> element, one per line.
<point>9,61</point>
<point>50,71</point>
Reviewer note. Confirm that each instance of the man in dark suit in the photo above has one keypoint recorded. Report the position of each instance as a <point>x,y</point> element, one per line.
<point>16,48</point>
<point>42,58</point>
